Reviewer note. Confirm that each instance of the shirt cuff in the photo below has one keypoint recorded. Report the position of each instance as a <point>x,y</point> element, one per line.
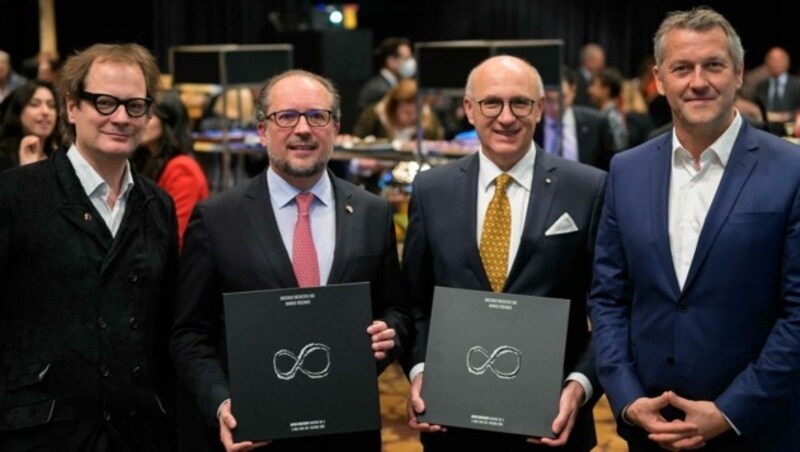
<point>584,382</point>
<point>730,423</point>
<point>416,370</point>
<point>219,408</point>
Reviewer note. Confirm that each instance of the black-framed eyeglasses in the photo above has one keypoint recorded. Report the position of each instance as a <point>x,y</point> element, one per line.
<point>106,104</point>
<point>289,118</point>
<point>520,106</point>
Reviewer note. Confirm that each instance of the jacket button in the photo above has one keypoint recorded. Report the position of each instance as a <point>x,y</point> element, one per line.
<point>101,322</point>
<point>133,276</point>
<point>682,307</point>
<point>106,416</point>
<point>132,414</point>
<point>104,371</point>
<point>137,370</point>
<point>671,361</point>
<point>134,323</point>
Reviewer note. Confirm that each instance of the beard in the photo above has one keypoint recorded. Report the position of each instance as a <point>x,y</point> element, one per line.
<point>306,169</point>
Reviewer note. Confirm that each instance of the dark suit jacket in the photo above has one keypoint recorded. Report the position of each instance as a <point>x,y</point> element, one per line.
<point>233,244</point>
<point>732,335</point>
<point>372,91</point>
<point>589,124</point>
<point>441,250</point>
<point>84,317</point>
<point>791,94</point>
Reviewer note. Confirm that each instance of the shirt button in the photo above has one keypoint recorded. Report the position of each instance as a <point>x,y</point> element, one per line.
<point>133,276</point>
<point>101,322</point>
<point>134,322</point>
<point>137,370</point>
<point>104,371</point>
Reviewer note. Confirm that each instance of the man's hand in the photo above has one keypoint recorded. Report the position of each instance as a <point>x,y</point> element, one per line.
<point>646,413</point>
<point>30,150</point>
<point>571,399</point>
<point>417,406</point>
<point>382,338</point>
<point>227,423</point>
<point>705,415</point>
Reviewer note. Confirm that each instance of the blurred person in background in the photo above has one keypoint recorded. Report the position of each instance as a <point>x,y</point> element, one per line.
<point>781,91</point>
<point>395,116</point>
<point>165,156</point>
<point>592,60</point>
<point>9,80</point>
<point>29,131</point>
<point>395,61</point>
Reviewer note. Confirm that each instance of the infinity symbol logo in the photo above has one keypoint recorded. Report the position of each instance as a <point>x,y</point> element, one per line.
<point>491,361</point>
<point>298,362</point>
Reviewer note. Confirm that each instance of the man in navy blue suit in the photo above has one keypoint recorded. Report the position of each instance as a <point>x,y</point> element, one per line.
<point>554,205</point>
<point>695,305</point>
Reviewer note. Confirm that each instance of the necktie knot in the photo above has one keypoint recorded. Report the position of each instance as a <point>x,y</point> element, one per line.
<point>501,182</point>
<point>303,201</point>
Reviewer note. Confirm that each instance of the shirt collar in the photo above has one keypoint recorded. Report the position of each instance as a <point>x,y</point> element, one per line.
<point>389,76</point>
<point>90,179</point>
<point>283,193</point>
<point>722,147</point>
<point>522,172</point>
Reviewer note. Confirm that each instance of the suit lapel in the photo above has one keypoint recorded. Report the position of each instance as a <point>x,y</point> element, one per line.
<point>134,214</point>
<point>465,189</point>
<point>738,170</point>
<point>76,207</point>
<point>543,192</point>
<point>262,220</point>
<point>660,169</point>
<point>345,224</point>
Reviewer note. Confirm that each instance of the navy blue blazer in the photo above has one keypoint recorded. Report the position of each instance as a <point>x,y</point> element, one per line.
<point>732,335</point>
<point>441,249</point>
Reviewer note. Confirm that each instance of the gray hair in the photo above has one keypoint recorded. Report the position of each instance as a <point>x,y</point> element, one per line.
<point>262,103</point>
<point>701,18</point>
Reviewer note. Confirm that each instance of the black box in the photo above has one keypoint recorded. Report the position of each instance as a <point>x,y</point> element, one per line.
<point>495,361</point>
<point>300,362</point>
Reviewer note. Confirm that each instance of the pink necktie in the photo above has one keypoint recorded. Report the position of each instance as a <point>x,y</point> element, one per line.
<point>304,254</point>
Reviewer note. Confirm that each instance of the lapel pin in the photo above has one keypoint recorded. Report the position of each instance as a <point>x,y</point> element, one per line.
<point>348,208</point>
<point>87,216</point>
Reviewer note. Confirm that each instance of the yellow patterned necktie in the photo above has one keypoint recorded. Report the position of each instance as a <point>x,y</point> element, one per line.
<point>496,235</point>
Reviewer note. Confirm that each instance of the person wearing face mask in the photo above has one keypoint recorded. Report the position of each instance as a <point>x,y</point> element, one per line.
<point>396,62</point>
<point>28,132</point>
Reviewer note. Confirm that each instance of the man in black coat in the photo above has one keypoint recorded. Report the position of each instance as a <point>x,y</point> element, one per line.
<point>88,252</point>
<point>242,240</point>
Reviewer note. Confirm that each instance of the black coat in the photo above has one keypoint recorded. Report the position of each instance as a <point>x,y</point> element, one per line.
<point>84,316</point>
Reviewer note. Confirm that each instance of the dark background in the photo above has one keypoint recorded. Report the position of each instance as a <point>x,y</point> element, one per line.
<point>624,27</point>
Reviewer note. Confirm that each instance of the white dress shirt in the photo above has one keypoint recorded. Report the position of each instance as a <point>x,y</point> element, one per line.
<point>97,190</point>
<point>691,191</point>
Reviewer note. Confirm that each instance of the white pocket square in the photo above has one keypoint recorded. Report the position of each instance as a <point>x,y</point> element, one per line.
<point>564,225</point>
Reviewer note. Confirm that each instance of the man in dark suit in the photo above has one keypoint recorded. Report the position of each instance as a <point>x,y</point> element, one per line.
<point>592,59</point>
<point>780,93</point>
<point>554,204</point>
<point>574,132</point>
<point>88,256</point>
<point>696,301</point>
<point>243,240</point>
<point>395,61</point>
